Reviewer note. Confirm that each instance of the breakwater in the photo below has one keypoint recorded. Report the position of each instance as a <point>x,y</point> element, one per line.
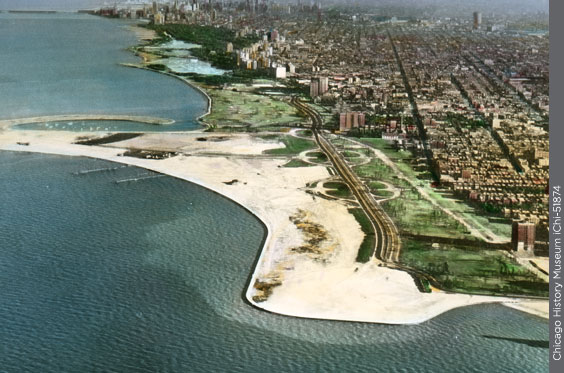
<point>83,117</point>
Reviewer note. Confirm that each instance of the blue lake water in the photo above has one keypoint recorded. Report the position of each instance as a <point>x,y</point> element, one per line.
<point>149,276</point>
<point>70,64</point>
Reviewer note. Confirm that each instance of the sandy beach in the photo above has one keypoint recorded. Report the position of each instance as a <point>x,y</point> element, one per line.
<point>292,277</point>
<point>307,267</point>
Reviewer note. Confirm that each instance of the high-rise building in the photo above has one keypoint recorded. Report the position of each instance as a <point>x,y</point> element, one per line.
<point>274,35</point>
<point>318,86</point>
<point>291,68</point>
<point>280,72</point>
<point>477,20</point>
<point>361,119</point>
<point>314,87</point>
<point>343,122</point>
<point>323,85</point>
<point>351,119</point>
<point>159,18</point>
<point>523,237</point>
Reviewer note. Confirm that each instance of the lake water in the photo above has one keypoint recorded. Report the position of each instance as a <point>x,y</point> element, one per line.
<point>70,64</point>
<point>102,274</point>
<point>149,275</point>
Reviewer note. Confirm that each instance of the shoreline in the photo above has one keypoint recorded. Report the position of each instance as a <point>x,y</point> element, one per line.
<point>325,283</point>
<point>86,117</point>
<point>144,34</point>
<point>186,81</point>
<point>399,302</point>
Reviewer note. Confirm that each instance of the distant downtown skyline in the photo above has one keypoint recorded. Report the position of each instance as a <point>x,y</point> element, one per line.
<point>85,4</point>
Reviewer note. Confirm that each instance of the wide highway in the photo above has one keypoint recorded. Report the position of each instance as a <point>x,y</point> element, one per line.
<point>388,243</point>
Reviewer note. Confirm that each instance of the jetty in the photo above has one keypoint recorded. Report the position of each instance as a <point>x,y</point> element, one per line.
<point>88,117</point>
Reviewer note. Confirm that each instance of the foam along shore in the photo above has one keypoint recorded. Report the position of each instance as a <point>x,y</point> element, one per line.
<point>143,33</point>
<point>77,117</point>
<point>291,277</point>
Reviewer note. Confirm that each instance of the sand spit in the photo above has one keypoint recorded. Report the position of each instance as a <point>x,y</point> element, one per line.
<point>307,267</point>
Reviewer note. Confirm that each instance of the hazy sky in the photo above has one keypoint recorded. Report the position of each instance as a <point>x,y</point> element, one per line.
<point>49,4</point>
<point>82,4</point>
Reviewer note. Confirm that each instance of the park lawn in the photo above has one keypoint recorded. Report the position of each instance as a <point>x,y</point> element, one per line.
<point>297,163</point>
<point>292,146</point>
<point>317,157</point>
<point>247,109</point>
<point>366,249</point>
<point>337,189</point>
<point>470,270</point>
<point>409,211</point>
<point>402,160</point>
<point>417,216</point>
<point>382,193</point>
<point>385,147</point>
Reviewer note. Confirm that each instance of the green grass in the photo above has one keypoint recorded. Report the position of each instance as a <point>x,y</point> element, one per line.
<point>410,211</point>
<point>349,154</point>
<point>386,148</point>
<point>297,163</point>
<point>275,128</point>
<point>338,189</point>
<point>470,270</point>
<point>402,159</point>
<point>383,193</point>
<point>304,133</point>
<point>376,170</point>
<point>213,41</point>
<point>245,109</point>
<point>418,216</point>
<point>317,157</point>
<point>374,185</point>
<point>269,137</point>
<point>293,145</point>
<point>366,249</point>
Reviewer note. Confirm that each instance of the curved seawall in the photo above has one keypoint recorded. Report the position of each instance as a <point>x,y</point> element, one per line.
<point>87,117</point>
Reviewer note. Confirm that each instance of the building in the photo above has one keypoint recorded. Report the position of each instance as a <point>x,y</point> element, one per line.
<point>280,72</point>
<point>477,20</point>
<point>229,47</point>
<point>291,68</point>
<point>318,86</point>
<point>323,85</point>
<point>159,19</point>
<point>351,119</point>
<point>314,88</point>
<point>523,237</point>
<point>274,35</point>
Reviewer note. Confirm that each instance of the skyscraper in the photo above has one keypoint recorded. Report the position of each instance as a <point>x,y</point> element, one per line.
<point>523,237</point>
<point>477,20</point>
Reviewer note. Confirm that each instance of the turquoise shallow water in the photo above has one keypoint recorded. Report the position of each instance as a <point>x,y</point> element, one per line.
<point>149,276</point>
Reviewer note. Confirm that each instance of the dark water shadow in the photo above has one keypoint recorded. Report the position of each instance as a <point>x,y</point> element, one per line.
<point>528,342</point>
